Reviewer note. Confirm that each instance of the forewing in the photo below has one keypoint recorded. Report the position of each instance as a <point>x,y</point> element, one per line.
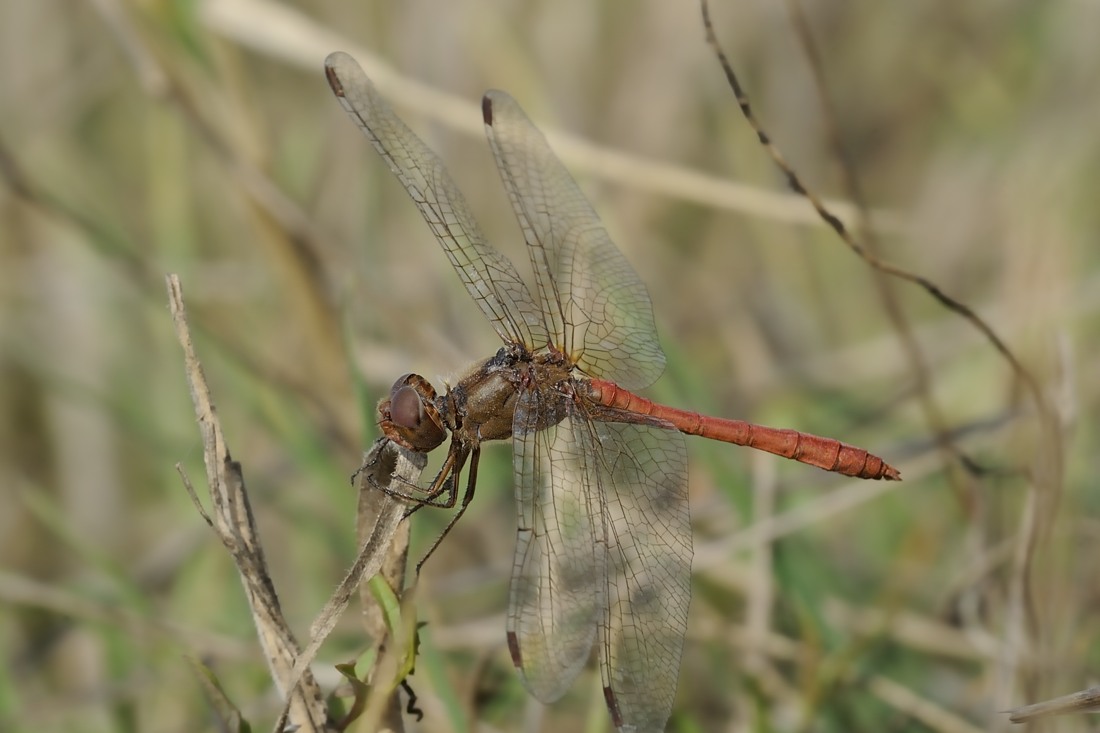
<point>597,310</point>
<point>643,477</point>
<point>559,579</point>
<point>490,279</point>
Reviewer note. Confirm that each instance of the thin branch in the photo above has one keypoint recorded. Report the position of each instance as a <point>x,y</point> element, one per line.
<point>918,708</point>
<point>386,707</point>
<point>279,31</point>
<point>298,245</point>
<point>914,355</point>
<point>837,225</point>
<point>1084,701</point>
<point>385,465</point>
<point>231,519</point>
<point>1047,466</point>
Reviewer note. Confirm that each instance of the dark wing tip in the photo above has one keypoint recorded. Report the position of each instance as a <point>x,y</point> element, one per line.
<point>334,81</point>
<point>332,61</point>
<point>487,110</point>
<point>613,707</point>
<point>513,649</point>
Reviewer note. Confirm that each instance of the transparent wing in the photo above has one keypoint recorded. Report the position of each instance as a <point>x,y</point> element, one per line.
<point>559,579</point>
<point>643,477</point>
<point>597,310</point>
<point>603,553</point>
<point>490,279</point>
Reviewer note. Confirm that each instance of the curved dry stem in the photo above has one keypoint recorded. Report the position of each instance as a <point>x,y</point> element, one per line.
<point>863,252</point>
<point>1047,467</point>
<point>385,464</point>
<point>231,519</point>
<point>297,247</point>
<point>281,32</point>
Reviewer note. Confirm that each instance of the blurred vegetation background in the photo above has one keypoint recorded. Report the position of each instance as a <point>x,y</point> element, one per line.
<point>141,138</point>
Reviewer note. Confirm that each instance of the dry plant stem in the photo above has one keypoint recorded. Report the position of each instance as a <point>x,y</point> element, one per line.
<point>393,572</point>
<point>1084,701</point>
<point>388,465</point>
<point>120,250</point>
<point>1046,413</point>
<point>933,716</point>
<point>953,456</point>
<point>962,482</point>
<point>926,634</point>
<point>760,601</point>
<point>47,596</point>
<point>295,239</point>
<point>280,32</point>
<point>1022,627</point>
<point>1047,467</point>
<point>24,188</point>
<point>371,475</point>
<point>231,518</point>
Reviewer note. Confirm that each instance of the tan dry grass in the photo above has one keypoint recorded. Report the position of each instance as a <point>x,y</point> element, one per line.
<point>221,155</point>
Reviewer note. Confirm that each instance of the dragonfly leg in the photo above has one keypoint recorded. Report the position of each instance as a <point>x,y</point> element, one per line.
<point>471,484</point>
<point>442,485</point>
<point>445,483</point>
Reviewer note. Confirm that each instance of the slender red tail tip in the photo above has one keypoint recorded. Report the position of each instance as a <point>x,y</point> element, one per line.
<point>832,455</point>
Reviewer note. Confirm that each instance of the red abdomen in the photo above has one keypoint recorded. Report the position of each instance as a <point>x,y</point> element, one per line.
<point>826,453</point>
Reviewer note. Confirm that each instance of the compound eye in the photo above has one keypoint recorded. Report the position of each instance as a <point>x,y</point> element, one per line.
<point>406,408</point>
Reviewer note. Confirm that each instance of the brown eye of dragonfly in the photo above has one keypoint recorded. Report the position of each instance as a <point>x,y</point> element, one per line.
<point>409,416</point>
<point>406,407</point>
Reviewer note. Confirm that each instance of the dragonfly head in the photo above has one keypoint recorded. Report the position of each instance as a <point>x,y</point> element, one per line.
<point>409,415</point>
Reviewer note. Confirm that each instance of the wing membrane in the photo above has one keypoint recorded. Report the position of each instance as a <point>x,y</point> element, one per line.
<point>559,579</point>
<point>489,277</point>
<point>597,310</point>
<point>603,554</point>
<point>643,475</point>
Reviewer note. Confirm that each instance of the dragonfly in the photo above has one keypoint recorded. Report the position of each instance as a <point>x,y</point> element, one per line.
<point>603,544</point>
